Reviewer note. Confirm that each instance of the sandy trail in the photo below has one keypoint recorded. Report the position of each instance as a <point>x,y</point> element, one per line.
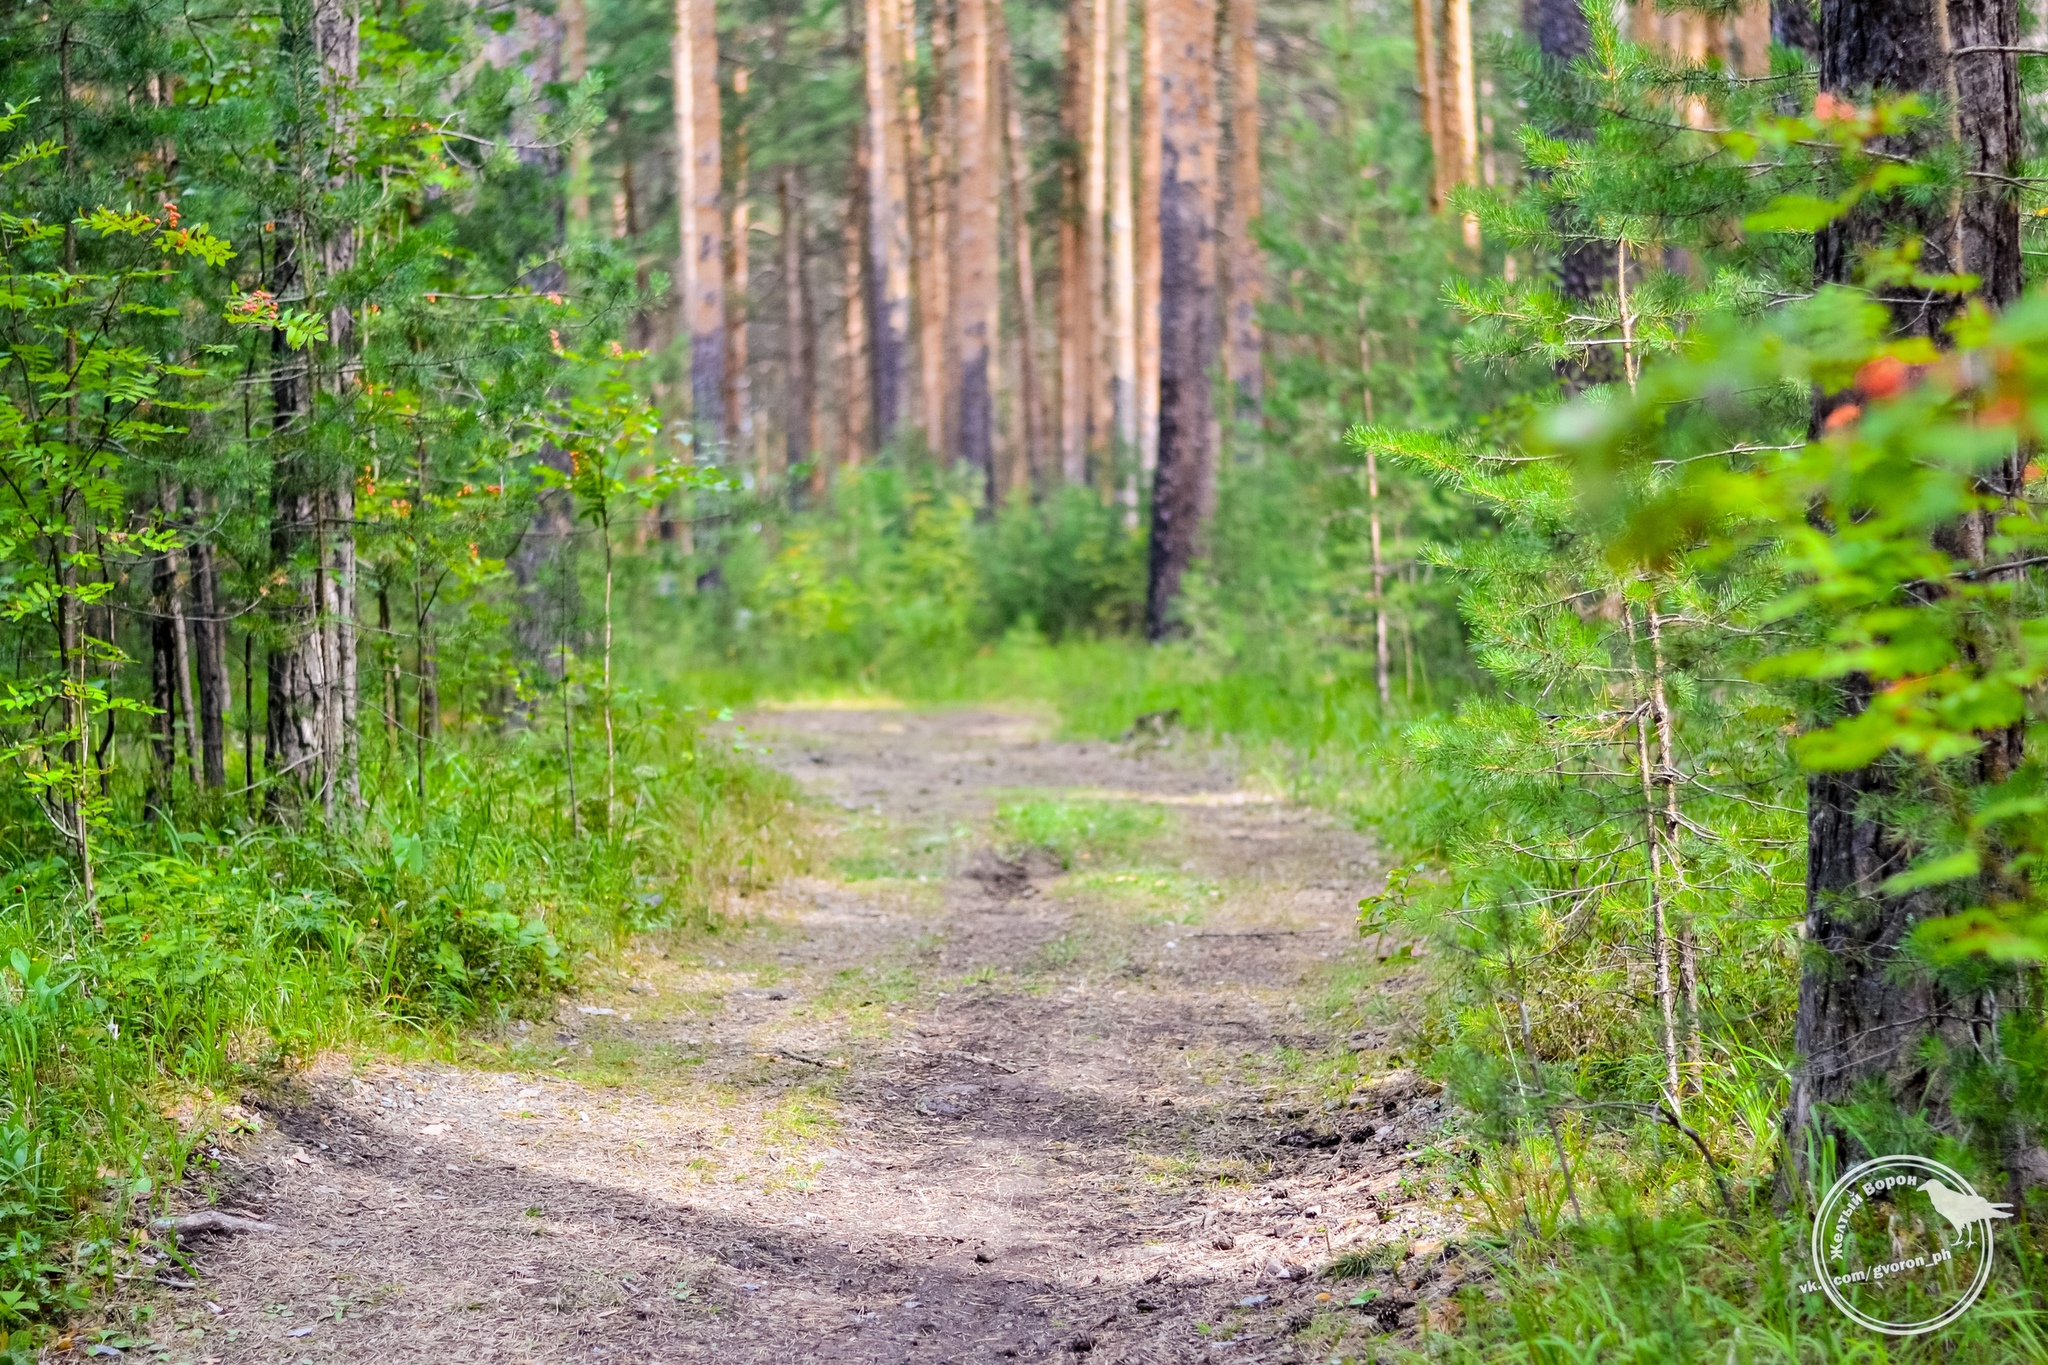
<point>928,1104</point>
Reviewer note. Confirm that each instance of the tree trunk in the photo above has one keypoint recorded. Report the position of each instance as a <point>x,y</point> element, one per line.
<point>1864,1006</point>
<point>1793,25</point>
<point>701,223</point>
<point>1148,248</point>
<point>800,415</point>
<point>163,695</point>
<point>1095,247</point>
<point>924,177</point>
<point>181,651</point>
<point>888,229</point>
<point>1123,264</point>
<point>976,250</point>
<point>1461,123</point>
<point>1243,350</point>
<point>1187,302</point>
<point>1075,314</point>
<point>575,66</point>
<point>739,414</point>
<point>941,195</point>
<point>859,374</point>
<point>312,720</point>
<point>1016,155</point>
<point>1560,32</point>
<point>210,636</point>
<point>1428,89</point>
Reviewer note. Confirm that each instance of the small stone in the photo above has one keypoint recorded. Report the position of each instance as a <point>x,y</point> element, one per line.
<point>983,1256</point>
<point>1223,1241</point>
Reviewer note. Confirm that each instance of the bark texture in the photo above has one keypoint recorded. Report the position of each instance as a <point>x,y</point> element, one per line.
<point>1148,246</point>
<point>1076,316</point>
<point>1185,479</point>
<point>699,155</point>
<point>800,363</point>
<point>1015,154</point>
<point>1244,272</point>
<point>888,229</point>
<point>976,249</point>
<point>1123,259</point>
<point>1864,1005</point>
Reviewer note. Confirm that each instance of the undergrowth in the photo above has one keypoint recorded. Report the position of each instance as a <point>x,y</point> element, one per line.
<point>223,952</point>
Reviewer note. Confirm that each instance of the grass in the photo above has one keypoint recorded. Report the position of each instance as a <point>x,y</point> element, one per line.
<point>1099,833</point>
<point>223,953</point>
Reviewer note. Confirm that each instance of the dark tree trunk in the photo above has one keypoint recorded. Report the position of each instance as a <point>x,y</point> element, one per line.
<point>1793,26</point>
<point>801,355</point>
<point>210,640</point>
<point>1864,1006</point>
<point>163,695</point>
<point>1185,478</point>
<point>1583,268</point>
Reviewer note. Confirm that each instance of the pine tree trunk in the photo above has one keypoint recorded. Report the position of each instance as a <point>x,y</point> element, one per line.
<point>1095,247</point>
<point>1148,247</point>
<point>1864,1010</point>
<point>1016,153</point>
<point>1185,480</point>
<point>858,380</point>
<point>1428,88</point>
<point>941,196</point>
<point>1243,351</point>
<point>800,363</point>
<point>888,229</point>
<point>1123,263</point>
<point>701,222</point>
<point>575,66</point>
<point>739,414</point>
<point>923,178</point>
<point>976,249</point>
<point>1561,34</point>
<point>1461,123</point>
<point>181,640</point>
<point>1075,313</point>
<point>1793,25</point>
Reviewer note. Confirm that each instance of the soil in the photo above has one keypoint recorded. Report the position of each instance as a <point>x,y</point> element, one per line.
<point>964,1091</point>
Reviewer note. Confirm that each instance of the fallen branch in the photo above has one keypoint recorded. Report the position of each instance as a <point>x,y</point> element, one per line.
<point>210,1220</point>
<point>958,1055</point>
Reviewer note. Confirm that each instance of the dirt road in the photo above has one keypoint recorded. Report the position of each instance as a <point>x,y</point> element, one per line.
<point>1059,1052</point>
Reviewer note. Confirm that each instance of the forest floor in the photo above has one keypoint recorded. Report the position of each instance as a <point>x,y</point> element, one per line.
<point>939,1099</point>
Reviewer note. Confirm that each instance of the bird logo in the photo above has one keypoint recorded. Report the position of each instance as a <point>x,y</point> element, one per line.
<point>1961,1209</point>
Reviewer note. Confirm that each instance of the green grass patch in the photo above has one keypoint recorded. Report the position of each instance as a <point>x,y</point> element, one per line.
<point>1097,833</point>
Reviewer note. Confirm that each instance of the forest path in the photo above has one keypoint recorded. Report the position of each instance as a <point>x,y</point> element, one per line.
<point>930,1103</point>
